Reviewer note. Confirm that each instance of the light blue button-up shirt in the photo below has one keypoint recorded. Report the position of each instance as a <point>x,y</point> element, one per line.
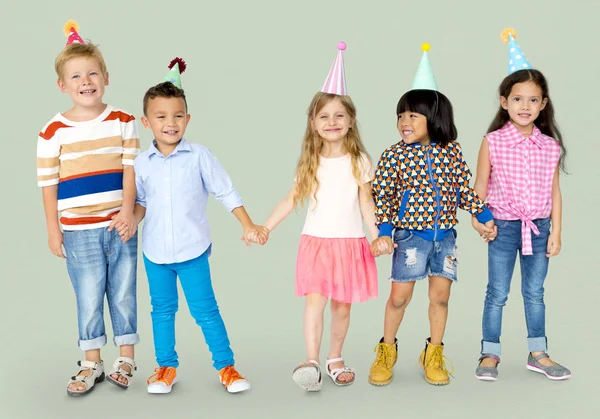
<point>174,190</point>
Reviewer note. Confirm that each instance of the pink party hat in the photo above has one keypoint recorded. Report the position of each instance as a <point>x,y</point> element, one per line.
<point>71,30</point>
<point>336,80</point>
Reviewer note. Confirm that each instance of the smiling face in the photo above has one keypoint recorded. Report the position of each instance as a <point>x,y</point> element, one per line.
<point>413,128</point>
<point>167,118</point>
<point>82,79</point>
<point>524,104</point>
<point>332,122</point>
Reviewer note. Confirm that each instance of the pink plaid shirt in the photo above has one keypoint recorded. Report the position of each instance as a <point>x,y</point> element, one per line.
<point>520,185</point>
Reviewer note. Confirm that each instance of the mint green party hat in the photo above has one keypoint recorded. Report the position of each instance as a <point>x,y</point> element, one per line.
<point>424,78</point>
<point>176,67</point>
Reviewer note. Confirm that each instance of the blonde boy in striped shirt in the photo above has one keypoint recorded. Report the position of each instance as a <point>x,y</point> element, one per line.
<point>85,169</point>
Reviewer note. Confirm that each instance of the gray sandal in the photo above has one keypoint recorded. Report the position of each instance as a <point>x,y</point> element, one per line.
<point>555,372</point>
<point>487,373</point>
<point>122,372</point>
<point>96,376</point>
<point>308,377</point>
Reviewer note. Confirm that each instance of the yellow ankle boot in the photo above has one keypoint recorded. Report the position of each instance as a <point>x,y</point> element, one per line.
<point>381,370</point>
<point>432,360</point>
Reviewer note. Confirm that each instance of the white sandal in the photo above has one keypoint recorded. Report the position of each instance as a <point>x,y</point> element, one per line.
<point>335,373</point>
<point>117,369</point>
<point>96,376</point>
<point>308,376</point>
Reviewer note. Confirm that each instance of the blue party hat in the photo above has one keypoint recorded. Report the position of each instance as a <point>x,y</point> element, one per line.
<point>424,78</point>
<point>516,59</point>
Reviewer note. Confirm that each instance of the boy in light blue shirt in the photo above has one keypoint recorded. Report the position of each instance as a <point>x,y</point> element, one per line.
<point>173,180</point>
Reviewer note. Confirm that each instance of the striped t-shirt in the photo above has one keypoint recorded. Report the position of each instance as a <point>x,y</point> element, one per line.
<point>86,159</point>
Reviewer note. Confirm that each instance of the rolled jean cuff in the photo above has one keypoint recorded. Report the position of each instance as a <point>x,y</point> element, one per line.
<point>537,344</point>
<point>490,348</point>
<point>131,339</point>
<point>90,345</point>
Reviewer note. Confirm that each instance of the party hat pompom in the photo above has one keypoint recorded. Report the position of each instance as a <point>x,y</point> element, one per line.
<point>341,45</point>
<point>70,26</point>
<point>425,47</point>
<point>182,65</point>
<point>506,33</point>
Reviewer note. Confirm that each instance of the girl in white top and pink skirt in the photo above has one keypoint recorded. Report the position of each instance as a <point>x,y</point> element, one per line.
<point>333,175</point>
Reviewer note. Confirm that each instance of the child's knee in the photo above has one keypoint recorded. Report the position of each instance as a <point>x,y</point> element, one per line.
<point>340,309</point>
<point>398,302</point>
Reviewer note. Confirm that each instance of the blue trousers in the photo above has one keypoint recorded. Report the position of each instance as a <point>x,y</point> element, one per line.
<point>194,276</point>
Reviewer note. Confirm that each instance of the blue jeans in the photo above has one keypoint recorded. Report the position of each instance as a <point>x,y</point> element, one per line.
<point>194,276</point>
<point>100,264</point>
<point>502,255</point>
<point>416,258</point>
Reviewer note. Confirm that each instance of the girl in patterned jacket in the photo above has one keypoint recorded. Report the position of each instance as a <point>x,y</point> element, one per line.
<point>518,171</point>
<point>419,184</point>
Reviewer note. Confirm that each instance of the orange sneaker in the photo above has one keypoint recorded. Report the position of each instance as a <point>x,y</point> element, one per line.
<point>232,380</point>
<point>162,380</point>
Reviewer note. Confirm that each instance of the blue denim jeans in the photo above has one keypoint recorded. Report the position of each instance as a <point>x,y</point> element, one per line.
<point>99,265</point>
<point>194,276</point>
<point>416,258</point>
<point>502,256</point>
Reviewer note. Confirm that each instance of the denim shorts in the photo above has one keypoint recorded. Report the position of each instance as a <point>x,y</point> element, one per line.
<point>416,258</point>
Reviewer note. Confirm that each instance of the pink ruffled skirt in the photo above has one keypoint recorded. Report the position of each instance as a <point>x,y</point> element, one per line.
<point>342,269</point>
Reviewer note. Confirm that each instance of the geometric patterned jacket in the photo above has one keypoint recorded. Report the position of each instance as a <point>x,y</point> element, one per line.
<point>418,187</point>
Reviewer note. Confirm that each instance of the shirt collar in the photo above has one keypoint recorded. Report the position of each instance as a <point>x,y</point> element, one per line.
<point>182,146</point>
<point>515,137</point>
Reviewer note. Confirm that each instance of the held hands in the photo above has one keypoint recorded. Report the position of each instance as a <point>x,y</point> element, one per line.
<point>125,224</point>
<point>383,245</point>
<point>255,234</point>
<point>487,231</point>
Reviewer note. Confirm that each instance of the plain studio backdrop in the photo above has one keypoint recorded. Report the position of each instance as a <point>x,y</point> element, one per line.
<point>252,70</point>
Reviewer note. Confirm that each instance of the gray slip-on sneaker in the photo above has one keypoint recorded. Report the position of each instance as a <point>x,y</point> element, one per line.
<point>487,373</point>
<point>554,372</point>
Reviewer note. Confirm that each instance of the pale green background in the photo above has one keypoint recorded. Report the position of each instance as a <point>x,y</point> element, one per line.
<point>253,67</point>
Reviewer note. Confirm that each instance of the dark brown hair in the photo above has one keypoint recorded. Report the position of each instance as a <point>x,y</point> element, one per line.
<point>164,89</point>
<point>545,120</point>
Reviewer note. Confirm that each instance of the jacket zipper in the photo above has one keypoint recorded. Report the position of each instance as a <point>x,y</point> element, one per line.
<point>437,196</point>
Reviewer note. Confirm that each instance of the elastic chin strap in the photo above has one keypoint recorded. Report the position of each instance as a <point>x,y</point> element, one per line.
<point>437,100</point>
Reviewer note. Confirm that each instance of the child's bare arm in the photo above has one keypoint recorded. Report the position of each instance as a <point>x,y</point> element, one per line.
<point>367,209</point>
<point>282,210</point>
<point>55,236</point>
<point>484,168</point>
<point>554,242</point>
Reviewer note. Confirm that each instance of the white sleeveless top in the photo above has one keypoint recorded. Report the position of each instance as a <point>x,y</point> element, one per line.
<point>336,212</point>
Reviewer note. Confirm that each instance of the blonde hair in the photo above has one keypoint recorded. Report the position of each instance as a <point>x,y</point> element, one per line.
<point>312,145</point>
<point>78,50</point>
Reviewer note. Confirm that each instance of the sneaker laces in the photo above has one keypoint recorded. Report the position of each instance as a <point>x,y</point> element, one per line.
<point>229,375</point>
<point>383,355</point>
<point>438,360</point>
<point>161,374</point>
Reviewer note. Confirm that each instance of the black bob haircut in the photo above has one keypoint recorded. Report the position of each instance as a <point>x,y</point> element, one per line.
<point>436,107</point>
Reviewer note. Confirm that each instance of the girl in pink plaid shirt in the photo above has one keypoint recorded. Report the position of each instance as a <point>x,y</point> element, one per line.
<point>518,174</point>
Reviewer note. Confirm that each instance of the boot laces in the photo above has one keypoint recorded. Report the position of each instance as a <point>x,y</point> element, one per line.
<point>384,355</point>
<point>438,360</point>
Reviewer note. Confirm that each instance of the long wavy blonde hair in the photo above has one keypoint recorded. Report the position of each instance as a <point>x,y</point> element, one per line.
<point>312,145</point>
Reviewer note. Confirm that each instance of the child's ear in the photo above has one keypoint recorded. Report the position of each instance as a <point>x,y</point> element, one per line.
<point>187,118</point>
<point>504,103</point>
<point>544,103</point>
<point>145,122</point>
<point>61,85</point>
<point>106,79</point>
